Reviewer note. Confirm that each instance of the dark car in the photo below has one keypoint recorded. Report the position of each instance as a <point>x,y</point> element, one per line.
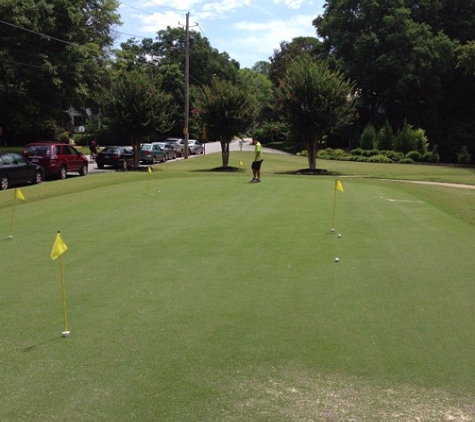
<point>56,158</point>
<point>16,170</point>
<point>115,156</point>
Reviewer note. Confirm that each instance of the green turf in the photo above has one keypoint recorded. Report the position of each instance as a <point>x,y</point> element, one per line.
<point>218,300</point>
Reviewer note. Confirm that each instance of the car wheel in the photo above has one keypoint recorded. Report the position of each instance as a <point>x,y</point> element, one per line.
<point>83,171</point>
<point>100,166</point>
<point>124,165</point>
<point>154,160</point>
<point>38,178</point>
<point>63,172</point>
<point>4,183</point>
<point>164,158</point>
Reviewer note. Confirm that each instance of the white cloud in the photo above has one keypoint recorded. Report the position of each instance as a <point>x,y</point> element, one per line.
<point>248,30</point>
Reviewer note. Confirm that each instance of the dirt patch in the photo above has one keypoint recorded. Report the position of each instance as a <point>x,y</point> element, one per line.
<point>300,397</point>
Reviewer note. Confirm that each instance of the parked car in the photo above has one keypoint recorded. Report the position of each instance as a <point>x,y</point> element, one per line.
<point>170,152</point>
<point>16,170</point>
<point>195,147</point>
<point>56,158</point>
<point>178,145</point>
<point>152,153</point>
<point>115,156</point>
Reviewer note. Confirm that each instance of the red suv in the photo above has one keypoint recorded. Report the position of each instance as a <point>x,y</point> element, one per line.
<point>57,159</point>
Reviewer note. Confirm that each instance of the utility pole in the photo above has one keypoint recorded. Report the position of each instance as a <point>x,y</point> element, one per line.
<point>187,84</point>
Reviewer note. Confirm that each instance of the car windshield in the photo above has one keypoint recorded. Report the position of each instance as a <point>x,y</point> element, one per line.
<point>146,147</point>
<point>111,150</point>
<point>37,149</point>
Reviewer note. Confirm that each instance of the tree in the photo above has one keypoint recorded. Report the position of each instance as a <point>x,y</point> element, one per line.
<point>411,61</point>
<point>289,51</point>
<point>225,108</point>
<point>259,87</point>
<point>52,56</point>
<point>316,101</point>
<point>167,53</point>
<point>135,106</point>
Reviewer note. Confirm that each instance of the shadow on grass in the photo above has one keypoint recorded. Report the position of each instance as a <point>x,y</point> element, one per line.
<point>304,172</point>
<point>36,346</point>
<point>228,169</point>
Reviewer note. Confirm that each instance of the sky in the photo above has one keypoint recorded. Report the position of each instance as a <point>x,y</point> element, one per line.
<point>248,30</point>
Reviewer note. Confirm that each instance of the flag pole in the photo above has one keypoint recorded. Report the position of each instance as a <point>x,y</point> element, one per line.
<point>149,171</point>
<point>16,195</point>
<point>63,290</point>
<point>338,187</point>
<point>11,222</point>
<point>334,209</point>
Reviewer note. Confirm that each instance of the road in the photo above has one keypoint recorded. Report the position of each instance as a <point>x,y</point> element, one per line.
<point>210,148</point>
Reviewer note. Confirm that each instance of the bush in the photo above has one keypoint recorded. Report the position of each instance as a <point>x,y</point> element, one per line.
<point>414,155</point>
<point>410,139</point>
<point>370,152</point>
<point>333,154</point>
<point>368,138</point>
<point>356,151</point>
<point>385,137</point>
<point>380,158</point>
<point>464,157</point>
<point>393,155</point>
<point>406,161</point>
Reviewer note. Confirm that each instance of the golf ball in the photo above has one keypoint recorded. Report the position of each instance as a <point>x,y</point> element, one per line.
<point>337,259</point>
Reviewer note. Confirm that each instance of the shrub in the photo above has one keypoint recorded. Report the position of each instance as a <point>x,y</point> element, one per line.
<point>380,158</point>
<point>370,152</point>
<point>393,155</point>
<point>435,154</point>
<point>356,151</point>
<point>464,157</point>
<point>368,138</point>
<point>333,154</point>
<point>406,161</point>
<point>414,155</point>
<point>410,139</point>
<point>385,137</point>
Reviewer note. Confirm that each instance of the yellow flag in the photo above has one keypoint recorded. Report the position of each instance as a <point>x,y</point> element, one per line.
<point>59,247</point>
<point>241,163</point>
<point>338,185</point>
<point>149,169</point>
<point>19,195</point>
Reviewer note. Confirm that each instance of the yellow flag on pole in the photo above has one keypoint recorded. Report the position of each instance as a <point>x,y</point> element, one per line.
<point>19,195</point>
<point>241,163</point>
<point>338,185</point>
<point>149,169</point>
<point>59,247</point>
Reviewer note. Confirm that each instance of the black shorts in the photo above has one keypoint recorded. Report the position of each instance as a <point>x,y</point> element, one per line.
<point>256,165</point>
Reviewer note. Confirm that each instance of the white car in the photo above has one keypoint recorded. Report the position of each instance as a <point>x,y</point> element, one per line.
<point>195,147</point>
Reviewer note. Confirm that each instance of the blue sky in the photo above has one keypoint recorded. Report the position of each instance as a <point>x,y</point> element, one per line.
<point>248,30</point>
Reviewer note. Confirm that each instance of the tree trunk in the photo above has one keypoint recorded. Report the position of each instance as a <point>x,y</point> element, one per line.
<point>136,149</point>
<point>225,153</point>
<point>312,154</point>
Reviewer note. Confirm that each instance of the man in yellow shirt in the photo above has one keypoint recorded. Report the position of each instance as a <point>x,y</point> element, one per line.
<point>258,159</point>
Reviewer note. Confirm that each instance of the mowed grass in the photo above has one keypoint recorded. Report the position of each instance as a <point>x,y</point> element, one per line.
<point>196,296</point>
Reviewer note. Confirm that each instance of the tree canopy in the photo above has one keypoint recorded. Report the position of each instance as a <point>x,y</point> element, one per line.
<point>225,109</point>
<point>51,56</point>
<point>315,101</point>
<point>406,59</point>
